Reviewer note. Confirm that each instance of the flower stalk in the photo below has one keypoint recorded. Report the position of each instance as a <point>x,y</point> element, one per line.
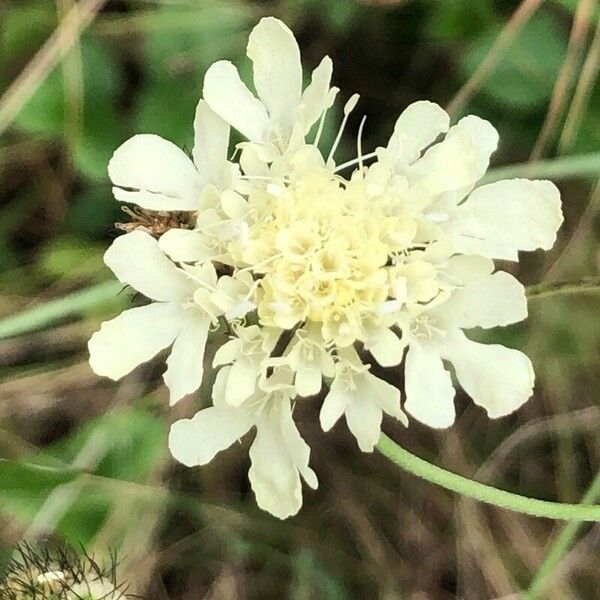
<point>482,492</point>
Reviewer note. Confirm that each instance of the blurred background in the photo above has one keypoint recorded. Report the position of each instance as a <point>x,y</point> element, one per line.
<point>85,460</point>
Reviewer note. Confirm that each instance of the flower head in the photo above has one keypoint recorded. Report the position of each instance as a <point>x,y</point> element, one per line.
<point>317,269</point>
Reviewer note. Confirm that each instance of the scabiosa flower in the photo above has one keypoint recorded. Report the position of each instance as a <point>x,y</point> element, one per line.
<point>56,573</point>
<point>311,275</point>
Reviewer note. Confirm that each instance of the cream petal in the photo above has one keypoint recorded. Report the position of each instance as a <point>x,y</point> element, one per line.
<point>161,175</point>
<point>211,142</point>
<point>492,301</point>
<point>334,405</point>
<point>241,381</point>
<point>461,269</point>
<point>417,127</point>
<point>219,388</point>
<point>133,338</point>
<point>136,259</point>
<point>497,378</point>
<point>275,55</point>
<point>385,395</point>
<point>186,245</point>
<point>429,390</point>
<point>229,97</point>
<point>229,352</point>
<point>364,416</point>
<point>316,98</point>
<point>458,161</point>
<point>388,348</point>
<point>198,440</point>
<point>308,380</point>
<point>501,218</point>
<point>273,475</point>
<point>186,362</point>
<point>297,447</point>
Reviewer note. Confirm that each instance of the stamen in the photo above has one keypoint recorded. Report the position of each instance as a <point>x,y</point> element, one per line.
<point>348,108</point>
<point>332,94</point>
<point>359,142</point>
<point>355,161</point>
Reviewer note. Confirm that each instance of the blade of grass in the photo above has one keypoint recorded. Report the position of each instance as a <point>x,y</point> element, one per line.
<point>46,59</point>
<point>569,167</point>
<point>560,545</point>
<point>525,11</point>
<point>51,312</point>
<point>564,81</point>
<point>585,85</point>
<point>588,285</point>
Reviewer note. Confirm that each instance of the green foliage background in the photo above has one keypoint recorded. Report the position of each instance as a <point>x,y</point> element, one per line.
<point>370,531</point>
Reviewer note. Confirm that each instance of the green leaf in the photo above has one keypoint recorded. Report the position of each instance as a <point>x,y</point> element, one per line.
<point>524,77</point>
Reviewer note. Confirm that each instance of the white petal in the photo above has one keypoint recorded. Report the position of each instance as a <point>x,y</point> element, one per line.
<point>211,142</point>
<point>385,395</point>
<point>308,380</point>
<point>136,259</point>
<point>228,352</point>
<point>492,301</point>
<point>503,217</point>
<point>334,404</point>
<point>132,338</point>
<point>186,362</point>
<point>363,416</point>
<point>219,388</point>
<point>416,128</point>
<point>458,161</point>
<point>429,390</point>
<point>273,475</point>
<point>241,381</point>
<point>461,269</point>
<point>185,245</point>
<point>388,349</point>
<point>316,97</point>
<point>297,447</point>
<point>196,441</point>
<point>229,97</point>
<point>497,378</point>
<point>164,175</point>
<point>275,55</point>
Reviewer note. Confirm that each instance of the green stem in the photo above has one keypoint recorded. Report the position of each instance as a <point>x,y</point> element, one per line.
<point>587,285</point>
<point>561,545</point>
<point>51,312</point>
<point>484,493</point>
<point>581,165</point>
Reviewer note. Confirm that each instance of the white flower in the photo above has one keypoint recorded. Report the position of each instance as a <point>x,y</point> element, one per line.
<point>282,112</point>
<point>278,453</point>
<point>153,173</point>
<point>363,398</point>
<point>497,378</point>
<point>312,271</point>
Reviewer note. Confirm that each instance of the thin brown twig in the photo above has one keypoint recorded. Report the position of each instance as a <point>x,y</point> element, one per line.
<point>564,81</point>
<point>585,84</point>
<point>49,55</point>
<point>526,9</point>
